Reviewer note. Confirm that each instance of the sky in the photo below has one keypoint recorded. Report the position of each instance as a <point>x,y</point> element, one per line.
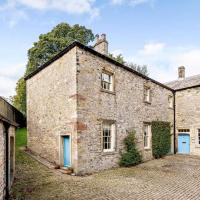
<point>160,34</point>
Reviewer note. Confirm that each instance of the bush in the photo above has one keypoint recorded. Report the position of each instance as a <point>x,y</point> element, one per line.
<point>161,138</point>
<point>132,156</point>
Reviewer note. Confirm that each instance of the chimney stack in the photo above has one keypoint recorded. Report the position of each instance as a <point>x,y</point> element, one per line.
<point>101,44</point>
<point>181,72</point>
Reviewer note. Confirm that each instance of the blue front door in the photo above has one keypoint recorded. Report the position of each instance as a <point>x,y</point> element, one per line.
<point>66,151</point>
<point>184,143</point>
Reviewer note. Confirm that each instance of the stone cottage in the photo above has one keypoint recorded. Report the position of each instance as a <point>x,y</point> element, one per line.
<point>187,112</point>
<point>10,118</point>
<point>82,103</point>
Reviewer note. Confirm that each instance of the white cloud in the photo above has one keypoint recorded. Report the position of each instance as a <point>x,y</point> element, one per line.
<point>163,60</point>
<point>152,49</point>
<point>69,6</point>
<point>14,11</point>
<point>117,52</point>
<point>8,78</point>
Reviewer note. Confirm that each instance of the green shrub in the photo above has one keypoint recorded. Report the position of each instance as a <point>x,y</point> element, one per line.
<point>132,156</point>
<point>161,138</point>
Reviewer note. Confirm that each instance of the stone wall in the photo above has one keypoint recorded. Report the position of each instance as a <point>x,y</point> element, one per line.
<point>51,109</point>
<point>125,106</point>
<point>188,116</point>
<point>2,161</point>
<point>11,144</point>
<point>65,98</point>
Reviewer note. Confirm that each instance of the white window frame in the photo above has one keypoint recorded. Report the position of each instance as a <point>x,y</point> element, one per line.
<point>147,129</point>
<point>107,84</point>
<point>147,94</point>
<point>170,101</point>
<point>105,142</point>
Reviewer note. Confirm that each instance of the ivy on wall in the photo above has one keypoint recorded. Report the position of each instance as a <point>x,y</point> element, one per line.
<point>161,138</point>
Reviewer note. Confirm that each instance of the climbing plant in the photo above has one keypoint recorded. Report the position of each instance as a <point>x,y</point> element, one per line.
<point>161,138</point>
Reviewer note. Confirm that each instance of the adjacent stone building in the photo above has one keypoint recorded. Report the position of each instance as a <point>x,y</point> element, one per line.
<point>187,109</point>
<point>81,105</point>
<point>10,118</point>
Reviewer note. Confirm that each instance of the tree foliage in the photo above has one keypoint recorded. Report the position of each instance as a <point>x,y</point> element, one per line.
<point>139,68</point>
<point>119,58</point>
<point>161,138</point>
<point>132,156</point>
<point>47,47</point>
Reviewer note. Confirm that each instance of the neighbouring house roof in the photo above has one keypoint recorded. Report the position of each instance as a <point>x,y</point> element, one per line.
<point>76,43</point>
<point>186,83</point>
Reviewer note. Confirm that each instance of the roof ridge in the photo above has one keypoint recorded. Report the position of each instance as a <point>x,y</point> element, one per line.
<point>80,45</point>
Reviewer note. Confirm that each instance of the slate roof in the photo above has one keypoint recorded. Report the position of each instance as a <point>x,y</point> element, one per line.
<point>188,82</point>
<point>86,48</point>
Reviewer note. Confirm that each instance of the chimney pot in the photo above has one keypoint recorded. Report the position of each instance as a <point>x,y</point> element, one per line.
<point>103,36</point>
<point>181,72</point>
<point>101,44</point>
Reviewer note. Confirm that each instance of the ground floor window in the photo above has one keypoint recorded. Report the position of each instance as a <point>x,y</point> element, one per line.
<point>108,137</point>
<point>147,136</point>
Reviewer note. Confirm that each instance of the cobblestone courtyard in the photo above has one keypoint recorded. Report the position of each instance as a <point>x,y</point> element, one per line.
<point>174,177</point>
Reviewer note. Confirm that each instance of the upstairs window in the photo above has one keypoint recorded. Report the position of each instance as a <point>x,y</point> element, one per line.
<point>170,101</point>
<point>107,81</point>
<point>108,137</point>
<point>147,136</point>
<point>147,93</point>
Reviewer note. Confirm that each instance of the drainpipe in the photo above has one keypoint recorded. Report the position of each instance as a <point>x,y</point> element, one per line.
<point>174,122</point>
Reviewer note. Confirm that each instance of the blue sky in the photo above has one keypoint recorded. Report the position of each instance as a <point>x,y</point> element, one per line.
<point>161,34</point>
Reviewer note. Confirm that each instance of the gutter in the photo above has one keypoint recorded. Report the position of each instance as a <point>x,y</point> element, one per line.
<point>186,88</point>
<point>104,57</point>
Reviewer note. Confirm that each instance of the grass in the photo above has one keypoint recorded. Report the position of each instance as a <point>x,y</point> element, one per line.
<point>21,137</point>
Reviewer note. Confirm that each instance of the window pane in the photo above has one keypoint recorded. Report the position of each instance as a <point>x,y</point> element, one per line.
<point>146,135</point>
<point>106,81</point>
<point>107,137</point>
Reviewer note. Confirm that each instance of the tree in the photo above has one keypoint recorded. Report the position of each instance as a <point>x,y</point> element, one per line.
<point>47,47</point>
<point>139,68</point>
<point>119,58</point>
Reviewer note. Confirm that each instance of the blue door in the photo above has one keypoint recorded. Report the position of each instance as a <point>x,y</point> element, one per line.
<point>184,143</point>
<point>66,151</point>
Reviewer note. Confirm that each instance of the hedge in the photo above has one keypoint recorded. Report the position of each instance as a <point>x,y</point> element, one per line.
<point>161,138</point>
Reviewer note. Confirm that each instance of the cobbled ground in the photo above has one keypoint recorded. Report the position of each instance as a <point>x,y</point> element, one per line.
<point>171,178</point>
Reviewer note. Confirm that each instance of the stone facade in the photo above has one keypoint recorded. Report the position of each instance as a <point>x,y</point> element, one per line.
<point>11,158</point>
<point>51,109</point>
<point>2,161</point>
<point>125,106</point>
<point>66,98</point>
<point>187,116</point>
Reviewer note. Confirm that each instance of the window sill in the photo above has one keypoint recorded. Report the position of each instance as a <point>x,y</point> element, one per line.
<point>108,152</point>
<point>107,91</point>
<point>147,102</point>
